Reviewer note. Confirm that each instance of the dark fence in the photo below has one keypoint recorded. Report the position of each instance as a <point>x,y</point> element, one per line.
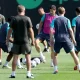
<point>8,8</point>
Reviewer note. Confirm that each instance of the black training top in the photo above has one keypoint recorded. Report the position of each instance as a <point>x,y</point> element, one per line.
<point>20,26</point>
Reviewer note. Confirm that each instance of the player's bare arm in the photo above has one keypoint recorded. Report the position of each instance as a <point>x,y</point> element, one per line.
<point>9,35</point>
<point>32,35</point>
<point>72,36</point>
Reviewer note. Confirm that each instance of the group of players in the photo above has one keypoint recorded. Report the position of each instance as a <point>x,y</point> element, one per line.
<point>55,32</point>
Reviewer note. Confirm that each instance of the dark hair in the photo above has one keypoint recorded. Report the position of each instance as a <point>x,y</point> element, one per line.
<point>61,10</point>
<point>20,8</point>
<point>52,7</point>
<point>78,9</point>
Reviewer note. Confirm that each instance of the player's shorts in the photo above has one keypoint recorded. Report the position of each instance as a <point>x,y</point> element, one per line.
<point>21,49</point>
<point>77,48</point>
<point>68,46</point>
<point>3,46</point>
<point>6,48</point>
<point>42,36</point>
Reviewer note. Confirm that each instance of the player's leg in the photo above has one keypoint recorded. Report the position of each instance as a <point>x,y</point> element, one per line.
<point>55,62</point>
<point>57,47</point>
<point>69,47</point>
<point>51,46</point>
<point>52,50</point>
<point>75,67</point>
<point>45,46</point>
<point>16,49</point>
<point>77,52</point>
<point>14,62</point>
<point>51,58</point>
<point>28,64</point>
<point>19,66</point>
<point>0,56</point>
<point>38,48</point>
<point>9,57</point>
<point>76,59</point>
<point>26,49</point>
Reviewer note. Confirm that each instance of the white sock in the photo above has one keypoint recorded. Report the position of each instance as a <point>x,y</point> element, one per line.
<point>0,60</point>
<point>41,54</point>
<point>51,60</point>
<point>28,73</point>
<point>6,63</point>
<point>18,62</point>
<point>13,73</point>
<point>78,66</point>
<point>55,68</point>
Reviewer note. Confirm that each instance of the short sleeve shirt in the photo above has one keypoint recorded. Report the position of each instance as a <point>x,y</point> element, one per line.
<point>20,26</point>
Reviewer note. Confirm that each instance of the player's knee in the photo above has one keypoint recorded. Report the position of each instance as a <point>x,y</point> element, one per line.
<point>36,42</point>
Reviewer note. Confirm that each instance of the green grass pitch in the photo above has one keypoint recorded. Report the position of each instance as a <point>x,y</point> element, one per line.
<point>44,71</point>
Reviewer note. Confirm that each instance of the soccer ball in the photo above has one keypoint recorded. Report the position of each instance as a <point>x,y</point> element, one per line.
<point>37,60</point>
<point>33,64</point>
<point>37,26</point>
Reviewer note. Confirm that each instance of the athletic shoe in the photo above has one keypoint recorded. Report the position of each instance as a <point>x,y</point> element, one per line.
<point>55,72</point>
<point>12,76</point>
<point>46,50</point>
<point>6,66</point>
<point>0,63</point>
<point>30,77</point>
<point>43,59</point>
<point>75,68</point>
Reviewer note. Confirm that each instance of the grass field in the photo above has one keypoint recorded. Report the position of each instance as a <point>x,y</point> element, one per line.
<point>44,71</point>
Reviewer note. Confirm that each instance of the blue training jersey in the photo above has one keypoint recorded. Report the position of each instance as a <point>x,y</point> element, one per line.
<point>61,25</point>
<point>3,32</point>
<point>76,24</point>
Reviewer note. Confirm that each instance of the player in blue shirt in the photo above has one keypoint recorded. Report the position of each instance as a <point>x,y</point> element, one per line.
<point>63,33</point>
<point>76,29</point>
<point>2,21</point>
<point>3,33</point>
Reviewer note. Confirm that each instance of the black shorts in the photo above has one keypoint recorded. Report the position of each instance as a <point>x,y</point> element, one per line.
<point>42,36</point>
<point>77,48</point>
<point>6,48</point>
<point>21,49</point>
<point>3,46</point>
<point>68,46</point>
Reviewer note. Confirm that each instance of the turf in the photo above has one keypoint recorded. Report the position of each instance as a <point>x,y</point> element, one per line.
<point>44,71</point>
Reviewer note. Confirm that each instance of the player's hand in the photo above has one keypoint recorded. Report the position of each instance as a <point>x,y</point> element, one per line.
<point>11,39</point>
<point>7,42</point>
<point>33,43</point>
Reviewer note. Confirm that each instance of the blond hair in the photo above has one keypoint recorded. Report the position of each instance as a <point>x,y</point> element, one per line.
<point>20,8</point>
<point>61,10</point>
